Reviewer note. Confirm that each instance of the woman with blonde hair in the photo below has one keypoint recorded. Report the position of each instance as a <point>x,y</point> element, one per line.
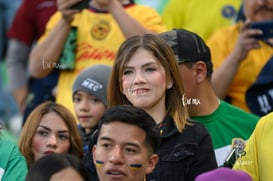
<point>50,128</point>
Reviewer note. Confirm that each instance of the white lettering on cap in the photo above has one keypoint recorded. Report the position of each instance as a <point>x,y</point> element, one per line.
<point>91,84</point>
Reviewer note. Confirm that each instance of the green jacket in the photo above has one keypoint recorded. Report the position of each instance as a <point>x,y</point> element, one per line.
<point>13,165</point>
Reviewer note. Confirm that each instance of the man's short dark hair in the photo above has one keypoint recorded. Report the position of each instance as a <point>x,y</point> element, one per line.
<point>134,116</point>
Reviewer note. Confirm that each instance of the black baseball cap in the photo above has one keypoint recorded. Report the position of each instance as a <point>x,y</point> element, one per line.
<point>187,46</point>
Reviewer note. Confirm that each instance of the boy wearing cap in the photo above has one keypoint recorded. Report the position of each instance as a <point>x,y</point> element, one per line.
<point>89,99</point>
<point>224,121</point>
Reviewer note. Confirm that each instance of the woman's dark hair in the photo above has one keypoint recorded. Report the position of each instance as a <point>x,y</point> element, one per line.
<point>44,168</point>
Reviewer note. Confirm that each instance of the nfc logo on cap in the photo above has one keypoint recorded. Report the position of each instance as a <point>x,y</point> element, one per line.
<point>91,84</point>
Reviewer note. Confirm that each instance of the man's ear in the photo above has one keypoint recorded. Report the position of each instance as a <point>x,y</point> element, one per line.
<point>94,153</point>
<point>152,163</point>
<point>200,68</point>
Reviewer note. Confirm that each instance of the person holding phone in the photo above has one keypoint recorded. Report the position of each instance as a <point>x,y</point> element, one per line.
<point>98,31</point>
<point>242,61</point>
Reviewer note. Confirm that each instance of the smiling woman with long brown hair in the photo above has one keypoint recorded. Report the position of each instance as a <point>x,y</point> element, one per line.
<point>145,74</point>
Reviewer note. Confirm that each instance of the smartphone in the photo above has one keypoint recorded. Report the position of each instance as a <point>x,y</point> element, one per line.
<point>265,26</point>
<point>83,4</point>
